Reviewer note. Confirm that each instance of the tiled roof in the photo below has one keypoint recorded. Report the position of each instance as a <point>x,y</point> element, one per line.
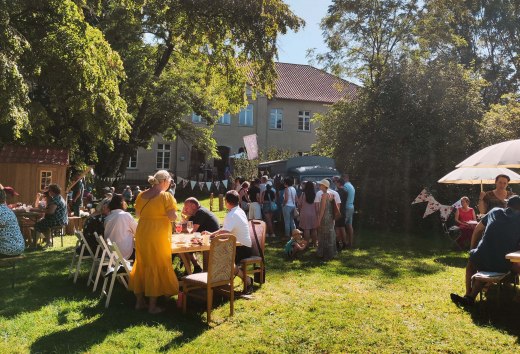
<point>306,83</point>
<point>33,154</point>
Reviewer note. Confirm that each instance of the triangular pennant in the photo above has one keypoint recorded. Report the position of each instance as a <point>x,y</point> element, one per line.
<point>201,185</point>
<point>184,183</point>
<point>225,182</point>
<point>217,184</point>
<point>445,211</point>
<point>421,197</point>
<point>457,204</point>
<point>430,199</point>
<point>432,207</point>
<point>179,180</point>
<point>193,183</point>
<point>208,185</point>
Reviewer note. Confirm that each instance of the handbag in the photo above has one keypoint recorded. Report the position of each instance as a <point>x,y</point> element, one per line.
<point>296,213</point>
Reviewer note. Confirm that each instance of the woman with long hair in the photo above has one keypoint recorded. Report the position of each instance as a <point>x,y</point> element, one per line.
<point>308,216</point>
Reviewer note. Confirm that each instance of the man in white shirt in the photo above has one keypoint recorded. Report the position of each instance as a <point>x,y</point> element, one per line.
<point>236,223</point>
<point>120,227</point>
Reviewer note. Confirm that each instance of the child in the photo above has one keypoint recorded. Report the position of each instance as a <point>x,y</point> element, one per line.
<point>296,244</point>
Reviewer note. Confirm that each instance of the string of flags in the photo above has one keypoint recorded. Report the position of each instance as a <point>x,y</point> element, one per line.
<point>434,205</point>
<point>201,185</point>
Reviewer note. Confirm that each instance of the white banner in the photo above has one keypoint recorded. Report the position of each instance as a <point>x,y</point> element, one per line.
<point>421,197</point>
<point>251,146</point>
<point>225,182</point>
<point>193,183</point>
<point>201,185</point>
<point>445,211</point>
<point>217,184</point>
<point>208,185</point>
<point>432,207</point>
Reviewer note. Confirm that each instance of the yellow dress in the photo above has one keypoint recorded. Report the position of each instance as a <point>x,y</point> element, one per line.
<point>152,273</point>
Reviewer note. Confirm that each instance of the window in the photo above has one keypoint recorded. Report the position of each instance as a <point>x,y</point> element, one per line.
<point>163,156</point>
<point>45,179</point>
<point>276,118</point>
<point>304,121</point>
<point>225,119</point>
<point>196,118</point>
<point>245,117</point>
<point>132,161</point>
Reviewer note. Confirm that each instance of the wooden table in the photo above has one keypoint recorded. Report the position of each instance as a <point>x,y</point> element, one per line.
<point>26,220</point>
<point>182,249</point>
<point>513,256</point>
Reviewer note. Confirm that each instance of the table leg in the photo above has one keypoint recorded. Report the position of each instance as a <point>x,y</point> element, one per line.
<point>205,260</point>
<point>186,260</point>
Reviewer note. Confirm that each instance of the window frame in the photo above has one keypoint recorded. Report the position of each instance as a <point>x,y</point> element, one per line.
<point>279,114</point>
<point>43,186</point>
<point>161,153</point>
<point>302,117</point>
<point>244,115</point>
<point>132,157</point>
<point>222,121</point>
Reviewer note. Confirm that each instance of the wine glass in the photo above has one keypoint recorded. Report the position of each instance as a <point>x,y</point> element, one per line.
<point>178,227</point>
<point>189,226</point>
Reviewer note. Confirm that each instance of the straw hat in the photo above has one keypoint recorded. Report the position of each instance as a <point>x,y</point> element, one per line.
<point>324,182</point>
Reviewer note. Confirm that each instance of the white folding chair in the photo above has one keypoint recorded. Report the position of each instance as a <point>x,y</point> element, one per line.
<point>84,253</point>
<point>101,261</point>
<point>118,268</point>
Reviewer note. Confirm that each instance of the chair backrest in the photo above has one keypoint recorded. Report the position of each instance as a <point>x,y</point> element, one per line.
<point>102,245</point>
<point>118,257</point>
<point>80,236</point>
<point>260,229</point>
<point>221,264</point>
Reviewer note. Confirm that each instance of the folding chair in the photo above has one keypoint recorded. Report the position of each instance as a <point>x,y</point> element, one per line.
<point>489,279</point>
<point>118,268</point>
<point>84,253</point>
<point>255,264</point>
<point>220,274</point>
<point>101,261</point>
<point>453,233</point>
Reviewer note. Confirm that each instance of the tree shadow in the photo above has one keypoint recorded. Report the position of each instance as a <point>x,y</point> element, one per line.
<point>453,261</point>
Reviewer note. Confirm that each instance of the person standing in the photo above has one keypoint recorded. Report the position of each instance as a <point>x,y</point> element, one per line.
<point>495,198</point>
<point>340,224</point>
<point>351,194</point>
<point>289,204</point>
<point>152,274</point>
<point>308,215</point>
<point>326,235</point>
<point>77,193</point>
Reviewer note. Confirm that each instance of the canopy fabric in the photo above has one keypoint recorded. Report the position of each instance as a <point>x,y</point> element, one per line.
<point>478,175</point>
<point>505,154</point>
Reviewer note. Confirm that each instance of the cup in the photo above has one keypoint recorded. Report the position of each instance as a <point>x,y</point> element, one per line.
<point>205,239</point>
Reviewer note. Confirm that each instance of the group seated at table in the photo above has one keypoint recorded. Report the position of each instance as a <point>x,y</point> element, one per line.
<point>495,236</point>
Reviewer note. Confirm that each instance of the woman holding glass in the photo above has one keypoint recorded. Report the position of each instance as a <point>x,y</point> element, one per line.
<point>495,198</point>
<point>152,274</point>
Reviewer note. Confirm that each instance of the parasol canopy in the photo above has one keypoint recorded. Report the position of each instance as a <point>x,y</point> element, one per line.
<point>505,154</point>
<point>478,175</point>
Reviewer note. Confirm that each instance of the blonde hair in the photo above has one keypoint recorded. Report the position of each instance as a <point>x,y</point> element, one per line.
<point>159,176</point>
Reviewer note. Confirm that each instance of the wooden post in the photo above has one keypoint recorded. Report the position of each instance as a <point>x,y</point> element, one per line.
<point>211,202</point>
<point>220,202</point>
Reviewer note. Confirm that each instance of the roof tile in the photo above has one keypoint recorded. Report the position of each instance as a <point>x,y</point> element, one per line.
<point>34,154</point>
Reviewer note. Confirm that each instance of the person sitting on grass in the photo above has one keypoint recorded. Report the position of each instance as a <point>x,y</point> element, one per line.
<point>296,244</point>
<point>236,223</point>
<point>497,234</point>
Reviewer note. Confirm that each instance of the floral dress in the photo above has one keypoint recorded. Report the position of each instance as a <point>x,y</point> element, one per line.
<point>11,239</point>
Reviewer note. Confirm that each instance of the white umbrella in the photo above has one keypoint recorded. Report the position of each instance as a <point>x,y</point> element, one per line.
<point>505,154</point>
<point>476,175</point>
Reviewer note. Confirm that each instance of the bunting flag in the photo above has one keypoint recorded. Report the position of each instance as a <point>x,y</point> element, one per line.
<point>445,211</point>
<point>421,197</point>
<point>225,182</point>
<point>432,207</point>
<point>208,185</point>
<point>457,204</point>
<point>184,183</point>
<point>193,183</point>
<point>430,198</point>
<point>179,180</point>
<point>217,184</point>
<point>201,185</point>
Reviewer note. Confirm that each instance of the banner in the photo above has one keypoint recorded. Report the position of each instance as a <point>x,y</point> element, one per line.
<point>193,183</point>
<point>217,184</point>
<point>201,185</point>
<point>208,185</point>
<point>445,211</point>
<point>432,207</point>
<point>179,180</point>
<point>421,197</point>
<point>251,146</point>
<point>225,182</point>
<point>457,204</point>
<point>184,183</point>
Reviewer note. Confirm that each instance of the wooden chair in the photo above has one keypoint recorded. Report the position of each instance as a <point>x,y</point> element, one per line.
<point>101,261</point>
<point>220,274</point>
<point>11,262</point>
<point>255,264</point>
<point>57,231</point>
<point>118,268</point>
<point>84,253</point>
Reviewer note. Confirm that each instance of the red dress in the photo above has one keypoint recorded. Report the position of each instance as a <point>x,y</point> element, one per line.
<point>466,230</point>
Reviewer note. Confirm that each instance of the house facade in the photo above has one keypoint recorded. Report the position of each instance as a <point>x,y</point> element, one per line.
<point>282,122</point>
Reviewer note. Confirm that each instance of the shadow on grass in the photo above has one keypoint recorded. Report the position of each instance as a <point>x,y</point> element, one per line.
<point>453,261</point>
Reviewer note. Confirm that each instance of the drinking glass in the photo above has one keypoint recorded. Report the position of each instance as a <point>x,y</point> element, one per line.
<point>178,227</point>
<point>189,226</point>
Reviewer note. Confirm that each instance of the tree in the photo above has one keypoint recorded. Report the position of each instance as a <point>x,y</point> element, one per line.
<point>184,56</point>
<point>416,129</point>
<point>502,121</point>
<point>59,78</point>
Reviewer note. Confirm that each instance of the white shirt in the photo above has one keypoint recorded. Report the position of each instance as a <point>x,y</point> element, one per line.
<point>236,223</point>
<point>291,196</point>
<point>337,199</point>
<point>120,228</point>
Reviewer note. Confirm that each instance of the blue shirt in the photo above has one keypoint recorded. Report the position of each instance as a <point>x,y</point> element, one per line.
<point>351,194</point>
<point>501,236</point>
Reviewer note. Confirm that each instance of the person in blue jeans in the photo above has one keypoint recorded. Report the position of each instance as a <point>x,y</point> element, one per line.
<point>289,204</point>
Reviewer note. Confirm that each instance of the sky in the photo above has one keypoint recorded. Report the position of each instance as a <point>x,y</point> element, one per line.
<point>292,47</point>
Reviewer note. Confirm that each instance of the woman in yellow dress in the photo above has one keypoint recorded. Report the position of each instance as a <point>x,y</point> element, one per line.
<point>152,274</point>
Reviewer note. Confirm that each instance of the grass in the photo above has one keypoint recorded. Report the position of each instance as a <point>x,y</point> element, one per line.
<point>389,295</point>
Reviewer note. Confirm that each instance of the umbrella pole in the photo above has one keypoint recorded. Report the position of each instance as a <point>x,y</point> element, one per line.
<point>481,186</point>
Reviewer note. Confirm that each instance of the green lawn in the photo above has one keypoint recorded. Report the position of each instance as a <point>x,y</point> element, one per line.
<point>389,295</point>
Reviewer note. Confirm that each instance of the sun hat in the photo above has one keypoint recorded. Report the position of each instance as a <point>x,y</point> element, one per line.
<point>324,182</point>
